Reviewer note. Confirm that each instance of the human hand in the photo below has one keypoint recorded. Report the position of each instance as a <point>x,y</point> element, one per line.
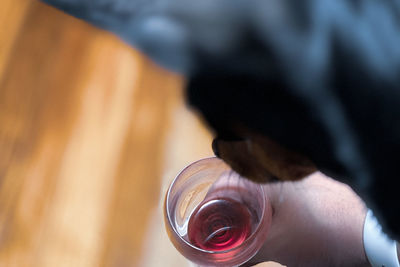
<point>315,222</point>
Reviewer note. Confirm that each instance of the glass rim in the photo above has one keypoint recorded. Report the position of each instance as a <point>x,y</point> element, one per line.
<point>252,236</point>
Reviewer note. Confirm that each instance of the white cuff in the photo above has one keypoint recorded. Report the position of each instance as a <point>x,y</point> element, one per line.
<point>381,251</point>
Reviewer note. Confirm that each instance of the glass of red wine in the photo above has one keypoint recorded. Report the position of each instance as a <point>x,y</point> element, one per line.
<point>215,217</point>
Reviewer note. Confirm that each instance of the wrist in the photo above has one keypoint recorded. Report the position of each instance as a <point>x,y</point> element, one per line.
<point>351,243</point>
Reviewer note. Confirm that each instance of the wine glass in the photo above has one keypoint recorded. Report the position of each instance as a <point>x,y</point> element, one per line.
<point>215,217</point>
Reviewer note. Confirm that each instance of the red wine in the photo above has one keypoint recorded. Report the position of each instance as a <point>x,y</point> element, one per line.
<point>219,224</point>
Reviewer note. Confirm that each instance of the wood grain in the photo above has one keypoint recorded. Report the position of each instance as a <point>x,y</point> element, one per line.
<point>83,126</point>
<point>12,17</point>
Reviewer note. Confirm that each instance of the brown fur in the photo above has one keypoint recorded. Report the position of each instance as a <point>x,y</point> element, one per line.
<point>261,159</point>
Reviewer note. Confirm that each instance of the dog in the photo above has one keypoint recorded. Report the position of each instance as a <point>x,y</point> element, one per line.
<point>287,86</point>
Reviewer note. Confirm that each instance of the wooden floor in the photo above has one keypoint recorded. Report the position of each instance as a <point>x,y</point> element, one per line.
<point>91,133</point>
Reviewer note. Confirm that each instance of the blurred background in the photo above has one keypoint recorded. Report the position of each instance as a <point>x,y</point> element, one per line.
<point>91,135</point>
